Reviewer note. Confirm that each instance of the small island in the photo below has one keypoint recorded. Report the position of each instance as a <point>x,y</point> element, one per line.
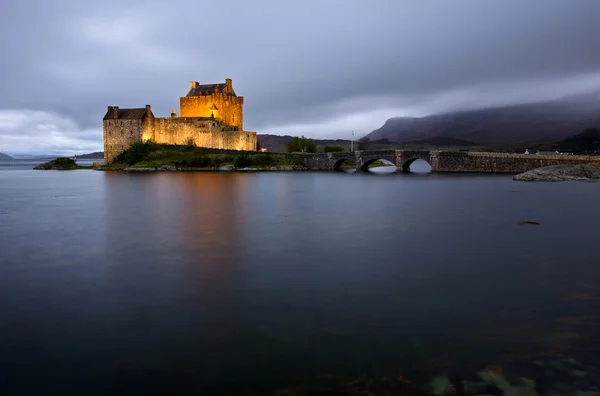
<point>561,173</point>
<point>62,163</point>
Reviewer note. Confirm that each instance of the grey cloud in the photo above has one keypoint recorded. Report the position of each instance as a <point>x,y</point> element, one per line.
<point>296,62</point>
<point>39,132</point>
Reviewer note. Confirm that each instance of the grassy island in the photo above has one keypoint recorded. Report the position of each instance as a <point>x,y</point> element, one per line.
<point>150,155</point>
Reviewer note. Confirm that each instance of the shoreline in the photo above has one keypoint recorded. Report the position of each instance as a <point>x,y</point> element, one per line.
<point>555,173</point>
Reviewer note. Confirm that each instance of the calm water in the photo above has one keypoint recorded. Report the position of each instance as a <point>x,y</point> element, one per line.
<point>216,283</point>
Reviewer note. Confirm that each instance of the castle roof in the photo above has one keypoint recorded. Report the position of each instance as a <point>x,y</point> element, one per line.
<point>125,114</point>
<point>209,89</point>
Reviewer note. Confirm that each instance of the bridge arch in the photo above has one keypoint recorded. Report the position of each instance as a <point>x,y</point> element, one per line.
<point>342,164</point>
<point>367,162</point>
<point>406,163</point>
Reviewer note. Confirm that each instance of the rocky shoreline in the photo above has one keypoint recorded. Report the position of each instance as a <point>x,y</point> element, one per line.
<point>561,173</point>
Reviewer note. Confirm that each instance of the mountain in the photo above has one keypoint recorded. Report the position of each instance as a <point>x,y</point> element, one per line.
<point>277,143</point>
<point>5,157</point>
<point>584,142</point>
<point>443,141</point>
<point>95,154</point>
<point>508,126</point>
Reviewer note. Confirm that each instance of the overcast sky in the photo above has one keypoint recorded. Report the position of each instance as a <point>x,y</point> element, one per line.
<point>321,68</point>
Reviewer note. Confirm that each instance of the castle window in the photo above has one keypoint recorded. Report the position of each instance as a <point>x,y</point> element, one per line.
<point>131,132</point>
<point>214,111</point>
<point>121,132</point>
<point>121,123</point>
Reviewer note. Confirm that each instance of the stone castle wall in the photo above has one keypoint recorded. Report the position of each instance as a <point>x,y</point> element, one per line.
<point>210,119</point>
<point>229,108</point>
<point>199,132</point>
<point>118,135</point>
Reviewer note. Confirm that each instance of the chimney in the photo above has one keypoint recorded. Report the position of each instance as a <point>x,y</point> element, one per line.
<point>173,114</point>
<point>116,112</point>
<point>193,84</point>
<point>148,108</point>
<point>110,108</point>
<point>228,83</point>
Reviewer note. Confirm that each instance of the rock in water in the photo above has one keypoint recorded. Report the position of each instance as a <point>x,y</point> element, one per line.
<point>441,385</point>
<point>58,164</point>
<point>561,173</point>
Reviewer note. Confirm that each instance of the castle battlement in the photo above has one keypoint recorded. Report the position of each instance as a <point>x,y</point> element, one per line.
<point>211,116</point>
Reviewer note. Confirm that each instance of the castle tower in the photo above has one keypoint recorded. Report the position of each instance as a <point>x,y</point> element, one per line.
<point>213,100</point>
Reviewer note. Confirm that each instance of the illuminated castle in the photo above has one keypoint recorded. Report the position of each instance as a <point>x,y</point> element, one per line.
<point>210,116</point>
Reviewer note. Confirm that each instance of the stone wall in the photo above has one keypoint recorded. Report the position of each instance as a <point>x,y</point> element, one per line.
<point>201,133</point>
<point>229,108</point>
<point>474,162</point>
<point>118,135</point>
<point>446,161</point>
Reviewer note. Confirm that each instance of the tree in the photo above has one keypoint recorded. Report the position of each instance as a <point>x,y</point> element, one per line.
<point>305,145</point>
<point>333,149</point>
<point>293,145</point>
<point>308,145</point>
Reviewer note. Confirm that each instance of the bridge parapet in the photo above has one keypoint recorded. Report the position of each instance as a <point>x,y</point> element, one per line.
<point>445,161</point>
<point>479,162</point>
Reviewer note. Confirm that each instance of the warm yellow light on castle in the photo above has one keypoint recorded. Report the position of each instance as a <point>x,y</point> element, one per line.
<point>210,115</point>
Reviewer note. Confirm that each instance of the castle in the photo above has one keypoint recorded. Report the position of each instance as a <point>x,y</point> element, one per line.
<point>210,116</point>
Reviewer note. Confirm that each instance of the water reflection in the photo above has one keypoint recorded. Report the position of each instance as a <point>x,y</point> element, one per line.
<point>213,283</point>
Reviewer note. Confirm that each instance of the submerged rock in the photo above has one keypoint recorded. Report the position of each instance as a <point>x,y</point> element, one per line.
<point>561,173</point>
<point>524,222</point>
<point>441,385</point>
<point>168,168</point>
<point>286,168</point>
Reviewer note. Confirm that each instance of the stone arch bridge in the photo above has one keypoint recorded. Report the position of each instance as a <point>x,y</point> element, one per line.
<point>444,161</point>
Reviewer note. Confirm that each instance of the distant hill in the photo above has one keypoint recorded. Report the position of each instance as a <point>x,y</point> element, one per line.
<point>277,144</point>
<point>444,141</point>
<point>96,154</point>
<point>5,157</point>
<point>508,126</point>
<point>586,141</point>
